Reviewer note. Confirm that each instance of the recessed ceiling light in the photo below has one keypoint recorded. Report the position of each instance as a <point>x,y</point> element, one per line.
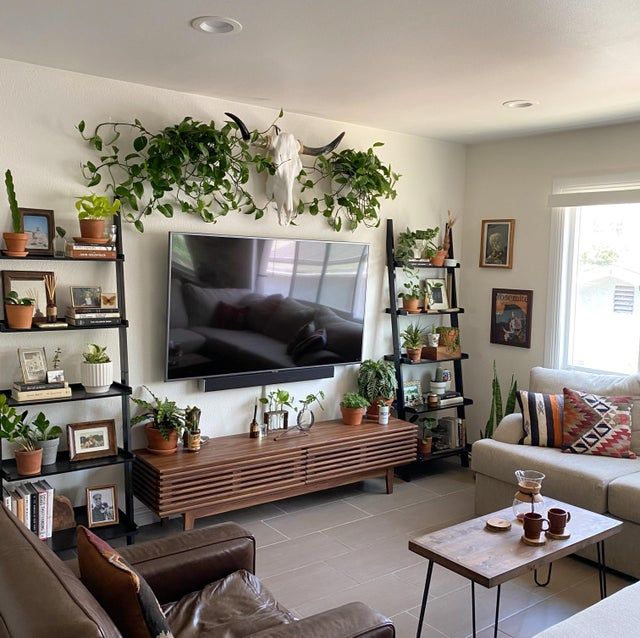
<point>519,104</point>
<point>216,24</point>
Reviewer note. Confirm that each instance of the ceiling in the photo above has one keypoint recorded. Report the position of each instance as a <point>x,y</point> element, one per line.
<point>438,68</point>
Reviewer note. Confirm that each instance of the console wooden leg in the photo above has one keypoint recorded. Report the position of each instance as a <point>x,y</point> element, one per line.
<point>389,480</point>
<point>188,521</point>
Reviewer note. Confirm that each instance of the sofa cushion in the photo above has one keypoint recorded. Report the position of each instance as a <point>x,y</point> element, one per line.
<point>123,593</point>
<point>233,607</point>
<point>542,418</point>
<point>178,316</point>
<point>316,341</point>
<point>344,337</point>
<point>624,498</point>
<point>287,319</point>
<point>201,303</point>
<point>230,317</point>
<point>574,478</point>
<point>185,341</point>
<point>260,309</point>
<point>597,425</point>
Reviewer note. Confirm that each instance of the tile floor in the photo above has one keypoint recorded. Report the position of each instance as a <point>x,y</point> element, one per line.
<point>349,544</point>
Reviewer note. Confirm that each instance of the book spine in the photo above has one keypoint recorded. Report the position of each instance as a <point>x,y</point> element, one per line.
<point>42,513</point>
<point>32,387</point>
<point>84,254</point>
<point>50,500</point>
<point>93,322</point>
<point>92,311</point>
<point>37,395</point>
<point>91,247</point>
<point>14,503</point>
<point>6,498</point>
<point>93,315</point>
<point>33,502</point>
<point>26,501</point>
<point>19,506</point>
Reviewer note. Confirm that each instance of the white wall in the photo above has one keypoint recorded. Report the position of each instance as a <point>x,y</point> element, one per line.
<point>38,112</point>
<point>513,179</point>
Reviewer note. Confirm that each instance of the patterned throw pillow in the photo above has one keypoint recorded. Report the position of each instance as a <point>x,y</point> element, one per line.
<point>597,425</point>
<point>123,593</point>
<point>542,418</point>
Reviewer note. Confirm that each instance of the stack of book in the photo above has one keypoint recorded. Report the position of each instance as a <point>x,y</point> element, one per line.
<point>451,433</point>
<point>450,398</point>
<point>32,503</point>
<point>93,316</point>
<point>40,391</point>
<point>90,251</point>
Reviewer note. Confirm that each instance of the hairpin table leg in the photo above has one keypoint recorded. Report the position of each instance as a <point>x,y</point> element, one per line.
<point>546,582</point>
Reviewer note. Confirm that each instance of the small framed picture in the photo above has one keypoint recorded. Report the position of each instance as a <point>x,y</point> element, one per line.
<point>108,300</point>
<point>102,506</point>
<point>86,296</point>
<point>511,317</point>
<point>40,228</point>
<point>496,243</point>
<point>436,294</point>
<point>55,376</point>
<point>92,440</point>
<point>412,392</point>
<point>28,283</point>
<point>33,363</point>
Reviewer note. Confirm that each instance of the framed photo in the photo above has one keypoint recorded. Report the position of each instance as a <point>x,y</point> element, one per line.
<point>92,440</point>
<point>511,317</point>
<point>109,300</point>
<point>496,243</point>
<point>412,392</point>
<point>85,296</point>
<point>28,283</point>
<point>437,298</point>
<point>33,363</point>
<point>102,506</point>
<point>40,227</point>
<point>55,376</point>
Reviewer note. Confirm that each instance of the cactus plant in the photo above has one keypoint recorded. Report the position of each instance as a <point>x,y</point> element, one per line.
<point>16,222</point>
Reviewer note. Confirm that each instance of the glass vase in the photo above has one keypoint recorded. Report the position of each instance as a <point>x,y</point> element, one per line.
<point>305,419</point>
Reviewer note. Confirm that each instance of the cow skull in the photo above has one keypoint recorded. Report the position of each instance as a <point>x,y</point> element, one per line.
<point>285,150</point>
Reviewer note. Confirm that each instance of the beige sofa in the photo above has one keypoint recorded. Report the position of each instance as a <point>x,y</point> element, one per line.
<point>605,485</point>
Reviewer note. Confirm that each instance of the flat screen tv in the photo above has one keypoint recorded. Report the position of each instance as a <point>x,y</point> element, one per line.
<point>246,311</point>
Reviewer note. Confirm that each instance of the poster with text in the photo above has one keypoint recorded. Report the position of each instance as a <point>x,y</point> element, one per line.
<point>511,317</point>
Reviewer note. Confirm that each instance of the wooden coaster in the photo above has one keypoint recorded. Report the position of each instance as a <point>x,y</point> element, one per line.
<point>559,537</point>
<point>498,524</point>
<point>533,543</point>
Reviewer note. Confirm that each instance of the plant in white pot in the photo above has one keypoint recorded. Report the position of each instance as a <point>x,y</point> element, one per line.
<point>14,428</point>
<point>96,370</point>
<point>47,438</point>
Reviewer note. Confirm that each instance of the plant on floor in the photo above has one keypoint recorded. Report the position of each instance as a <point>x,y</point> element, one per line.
<point>163,415</point>
<point>497,412</point>
<point>96,354</point>
<point>377,380</point>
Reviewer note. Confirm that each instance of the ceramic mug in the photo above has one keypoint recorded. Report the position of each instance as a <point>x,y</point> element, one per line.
<point>558,519</point>
<point>533,525</point>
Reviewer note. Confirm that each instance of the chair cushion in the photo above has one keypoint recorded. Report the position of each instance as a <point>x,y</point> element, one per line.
<point>123,593</point>
<point>234,606</point>
<point>542,418</point>
<point>624,497</point>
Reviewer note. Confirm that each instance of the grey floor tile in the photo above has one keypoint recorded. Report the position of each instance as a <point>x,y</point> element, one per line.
<point>297,503</point>
<point>447,482</point>
<point>379,502</point>
<point>365,532</point>
<point>443,581</point>
<point>406,626</point>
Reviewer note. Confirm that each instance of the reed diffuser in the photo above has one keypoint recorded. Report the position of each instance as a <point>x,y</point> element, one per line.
<point>50,287</point>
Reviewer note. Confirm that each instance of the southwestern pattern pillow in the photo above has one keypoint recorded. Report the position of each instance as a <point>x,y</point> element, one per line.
<point>597,425</point>
<point>542,418</point>
<point>123,593</point>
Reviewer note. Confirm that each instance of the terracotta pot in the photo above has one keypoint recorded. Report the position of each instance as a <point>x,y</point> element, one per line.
<point>374,409</point>
<point>438,260</point>
<point>414,354</point>
<point>28,463</point>
<point>92,228</point>
<point>16,243</point>
<point>352,416</point>
<point>157,444</point>
<point>424,447</point>
<point>411,303</point>
<point>18,317</point>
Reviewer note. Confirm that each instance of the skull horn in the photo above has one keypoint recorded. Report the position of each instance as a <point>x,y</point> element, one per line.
<point>310,150</point>
<point>244,131</point>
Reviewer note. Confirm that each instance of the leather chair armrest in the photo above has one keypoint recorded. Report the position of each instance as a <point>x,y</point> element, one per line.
<point>510,429</point>
<point>349,621</point>
<point>178,565</point>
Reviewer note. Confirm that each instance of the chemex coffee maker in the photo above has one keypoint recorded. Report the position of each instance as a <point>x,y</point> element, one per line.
<point>528,497</point>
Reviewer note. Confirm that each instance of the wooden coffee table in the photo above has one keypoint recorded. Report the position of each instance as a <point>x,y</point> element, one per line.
<point>492,558</point>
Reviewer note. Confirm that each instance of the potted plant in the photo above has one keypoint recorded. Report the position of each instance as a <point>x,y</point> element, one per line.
<point>47,438</point>
<point>16,241</point>
<point>277,418</point>
<point>306,418</point>
<point>192,429</point>
<point>352,407</point>
<point>14,428</point>
<point>383,412</point>
<point>439,384</point>
<point>97,370</point>
<point>93,211</point>
<point>405,249</point>
<point>412,341</point>
<point>18,311</point>
<point>426,236</point>
<point>412,291</point>
<point>164,423</point>
<point>377,383</point>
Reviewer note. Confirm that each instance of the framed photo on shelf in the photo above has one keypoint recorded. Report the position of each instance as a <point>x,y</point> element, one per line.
<point>102,506</point>
<point>86,296</point>
<point>33,364</point>
<point>108,300</point>
<point>92,440</point>
<point>496,243</point>
<point>40,227</point>
<point>436,294</point>
<point>28,283</point>
<point>412,393</point>
<point>511,317</point>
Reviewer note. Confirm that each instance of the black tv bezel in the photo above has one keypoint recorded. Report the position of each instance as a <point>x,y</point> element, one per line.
<point>234,380</point>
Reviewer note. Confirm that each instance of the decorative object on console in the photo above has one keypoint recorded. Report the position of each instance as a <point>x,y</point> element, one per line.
<point>383,412</point>
<point>497,412</point>
<point>164,423</point>
<point>412,392</point>
<point>47,438</point>
<point>52,310</point>
<point>305,418</point>
<point>255,431</point>
<point>38,225</point>
<point>436,294</point>
<point>92,440</point>
<point>33,364</point>
<point>93,211</point>
<point>412,341</point>
<point>528,497</point>
<point>28,284</point>
<point>377,383</point>
<point>96,370</point>
<point>276,417</point>
<point>511,312</point>
<point>16,241</point>
<point>18,311</point>
<point>496,243</point>
<point>102,506</point>
<point>352,407</point>
<point>541,418</point>
<point>192,428</point>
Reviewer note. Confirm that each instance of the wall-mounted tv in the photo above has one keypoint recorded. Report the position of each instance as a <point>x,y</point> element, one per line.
<point>245,311</point>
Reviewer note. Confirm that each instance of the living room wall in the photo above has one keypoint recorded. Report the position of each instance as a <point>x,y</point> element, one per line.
<point>38,113</point>
<point>513,179</point>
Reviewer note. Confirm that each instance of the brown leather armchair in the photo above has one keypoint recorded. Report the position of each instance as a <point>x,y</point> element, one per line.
<point>203,579</point>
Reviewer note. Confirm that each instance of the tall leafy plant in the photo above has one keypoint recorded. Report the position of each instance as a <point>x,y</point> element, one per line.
<point>497,412</point>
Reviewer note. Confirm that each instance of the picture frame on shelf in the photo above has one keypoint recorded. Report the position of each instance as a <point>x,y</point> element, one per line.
<point>33,364</point>
<point>496,243</point>
<point>437,297</point>
<point>108,300</point>
<point>29,283</point>
<point>92,440</point>
<point>511,317</point>
<point>102,506</point>
<point>412,393</point>
<point>39,224</point>
<point>55,376</point>
<point>86,296</point>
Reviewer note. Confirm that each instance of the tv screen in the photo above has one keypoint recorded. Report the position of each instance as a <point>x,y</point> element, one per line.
<point>243,305</point>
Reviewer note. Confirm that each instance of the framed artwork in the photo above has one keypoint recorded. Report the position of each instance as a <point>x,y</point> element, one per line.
<point>108,300</point>
<point>33,363</point>
<point>92,440</point>
<point>86,296</point>
<point>436,294</point>
<point>40,228</point>
<point>496,243</point>
<point>412,392</point>
<point>511,317</point>
<point>28,283</point>
<point>102,506</point>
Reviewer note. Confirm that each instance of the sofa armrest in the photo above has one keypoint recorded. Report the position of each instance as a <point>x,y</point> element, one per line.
<point>510,429</point>
<point>178,565</point>
<point>349,621</point>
